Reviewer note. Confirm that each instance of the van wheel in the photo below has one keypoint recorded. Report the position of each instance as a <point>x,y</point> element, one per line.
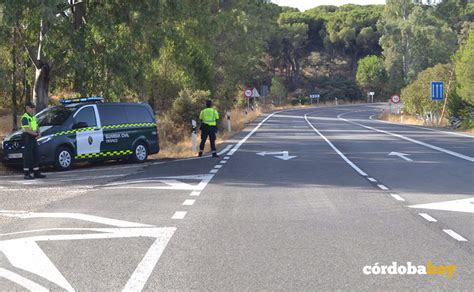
<point>140,152</point>
<point>64,159</point>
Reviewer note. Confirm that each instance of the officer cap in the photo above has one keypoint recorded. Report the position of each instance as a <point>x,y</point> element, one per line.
<point>208,103</point>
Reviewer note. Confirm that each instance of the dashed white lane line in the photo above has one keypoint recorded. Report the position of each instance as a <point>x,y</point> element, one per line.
<point>218,166</point>
<point>179,215</point>
<point>227,157</point>
<point>195,193</point>
<point>355,167</point>
<point>454,235</point>
<point>382,187</point>
<point>397,197</point>
<point>372,179</point>
<point>188,202</point>
<point>223,162</point>
<point>214,171</point>
<point>427,217</point>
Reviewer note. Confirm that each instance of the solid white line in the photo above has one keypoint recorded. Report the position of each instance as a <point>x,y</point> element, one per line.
<point>77,216</point>
<point>427,217</point>
<point>218,166</point>
<point>454,235</point>
<point>188,202</point>
<point>426,128</point>
<point>179,215</point>
<point>225,149</point>
<point>397,197</point>
<point>236,147</point>
<point>214,171</point>
<point>22,281</point>
<point>360,171</point>
<point>372,179</point>
<point>452,153</point>
<point>382,187</point>
<point>195,193</point>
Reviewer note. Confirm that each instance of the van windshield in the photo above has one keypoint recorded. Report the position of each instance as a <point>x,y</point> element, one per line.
<point>53,116</point>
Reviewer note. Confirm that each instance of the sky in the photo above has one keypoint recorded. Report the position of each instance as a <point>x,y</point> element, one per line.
<point>306,4</point>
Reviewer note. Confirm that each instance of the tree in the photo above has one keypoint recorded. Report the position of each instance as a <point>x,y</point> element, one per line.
<point>371,74</point>
<point>464,70</point>
<point>278,89</point>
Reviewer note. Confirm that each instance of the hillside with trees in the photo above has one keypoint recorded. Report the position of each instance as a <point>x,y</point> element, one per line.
<point>175,54</point>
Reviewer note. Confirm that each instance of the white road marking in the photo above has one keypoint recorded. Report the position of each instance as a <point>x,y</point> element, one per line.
<point>236,147</point>
<point>188,202</point>
<point>223,161</point>
<point>195,193</point>
<point>227,157</point>
<point>179,215</point>
<point>372,179</point>
<point>426,128</point>
<point>218,166</point>
<point>283,155</point>
<point>449,152</point>
<point>227,148</point>
<point>401,155</point>
<point>76,216</point>
<point>427,217</point>
<point>214,171</point>
<point>20,280</point>
<point>355,167</point>
<point>454,235</point>
<point>463,205</point>
<point>382,187</point>
<point>397,197</point>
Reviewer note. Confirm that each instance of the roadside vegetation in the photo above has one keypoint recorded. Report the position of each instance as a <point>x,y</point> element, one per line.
<point>176,54</point>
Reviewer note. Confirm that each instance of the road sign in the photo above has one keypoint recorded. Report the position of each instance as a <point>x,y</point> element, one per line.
<point>255,93</point>
<point>314,95</point>
<point>395,98</point>
<point>248,92</point>
<point>437,90</point>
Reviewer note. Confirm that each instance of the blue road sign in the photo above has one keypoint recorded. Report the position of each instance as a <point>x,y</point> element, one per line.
<point>437,90</point>
<point>314,95</point>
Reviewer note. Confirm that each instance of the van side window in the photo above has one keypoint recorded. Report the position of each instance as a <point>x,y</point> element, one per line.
<point>138,114</point>
<point>112,115</point>
<point>86,115</point>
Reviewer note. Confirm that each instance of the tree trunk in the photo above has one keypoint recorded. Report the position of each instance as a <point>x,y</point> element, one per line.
<point>79,14</point>
<point>40,93</point>
<point>14,89</point>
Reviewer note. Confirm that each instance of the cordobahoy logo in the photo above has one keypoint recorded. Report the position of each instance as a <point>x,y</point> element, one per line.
<point>410,269</point>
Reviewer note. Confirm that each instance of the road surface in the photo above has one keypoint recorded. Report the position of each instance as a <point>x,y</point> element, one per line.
<point>307,199</point>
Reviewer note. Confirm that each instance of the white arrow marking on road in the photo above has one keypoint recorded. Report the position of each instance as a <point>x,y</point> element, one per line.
<point>284,155</point>
<point>25,253</point>
<point>171,183</point>
<point>401,155</point>
<point>463,205</point>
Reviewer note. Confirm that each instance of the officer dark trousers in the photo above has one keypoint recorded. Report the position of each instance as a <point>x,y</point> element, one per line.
<point>206,131</point>
<point>30,154</point>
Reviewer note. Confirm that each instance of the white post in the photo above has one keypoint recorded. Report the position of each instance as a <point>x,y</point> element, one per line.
<point>194,136</point>
<point>229,126</point>
<point>335,99</point>
<point>390,106</point>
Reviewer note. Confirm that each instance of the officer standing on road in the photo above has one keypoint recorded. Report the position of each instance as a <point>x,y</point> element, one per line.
<point>208,117</point>
<point>30,135</point>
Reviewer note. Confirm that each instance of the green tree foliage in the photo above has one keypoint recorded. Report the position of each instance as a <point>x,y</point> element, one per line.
<point>416,97</point>
<point>371,75</point>
<point>464,69</point>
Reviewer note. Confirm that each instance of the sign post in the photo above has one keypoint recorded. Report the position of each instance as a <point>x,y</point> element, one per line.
<point>437,94</point>
<point>314,96</point>
<point>371,94</point>
<point>194,136</point>
<point>248,94</point>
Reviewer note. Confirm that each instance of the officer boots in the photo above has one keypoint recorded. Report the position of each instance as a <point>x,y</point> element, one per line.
<point>39,174</point>
<point>28,175</point>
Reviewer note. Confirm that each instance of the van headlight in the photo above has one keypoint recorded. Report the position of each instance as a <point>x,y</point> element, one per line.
<point>44,139</point>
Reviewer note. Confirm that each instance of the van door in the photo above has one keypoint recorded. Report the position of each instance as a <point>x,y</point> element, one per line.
<point>89,135</point>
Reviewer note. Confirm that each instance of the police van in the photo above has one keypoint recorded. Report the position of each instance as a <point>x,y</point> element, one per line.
<point>86,129</point>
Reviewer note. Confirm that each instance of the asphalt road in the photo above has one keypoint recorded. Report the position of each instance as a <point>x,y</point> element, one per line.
<point>308,199</point>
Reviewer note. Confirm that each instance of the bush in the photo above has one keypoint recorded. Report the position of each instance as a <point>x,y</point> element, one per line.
<point>187,106</point>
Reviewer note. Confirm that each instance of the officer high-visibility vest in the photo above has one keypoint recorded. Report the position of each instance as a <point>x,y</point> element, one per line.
<point>209,116</point>
<point>29,122</point>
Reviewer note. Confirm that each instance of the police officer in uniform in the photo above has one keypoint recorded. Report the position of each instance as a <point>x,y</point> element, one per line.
<point>30,135</point>
<point>208,117</point>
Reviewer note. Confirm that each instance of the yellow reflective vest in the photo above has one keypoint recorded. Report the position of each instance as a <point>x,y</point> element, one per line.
<point>209,116</point>
<point>29,122</point>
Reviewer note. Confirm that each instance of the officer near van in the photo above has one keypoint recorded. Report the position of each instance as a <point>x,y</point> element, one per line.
<point>209,117</point>
<point>30,136</point>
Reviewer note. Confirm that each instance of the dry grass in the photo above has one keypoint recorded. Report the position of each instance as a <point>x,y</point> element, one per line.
<point>407,119</point>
